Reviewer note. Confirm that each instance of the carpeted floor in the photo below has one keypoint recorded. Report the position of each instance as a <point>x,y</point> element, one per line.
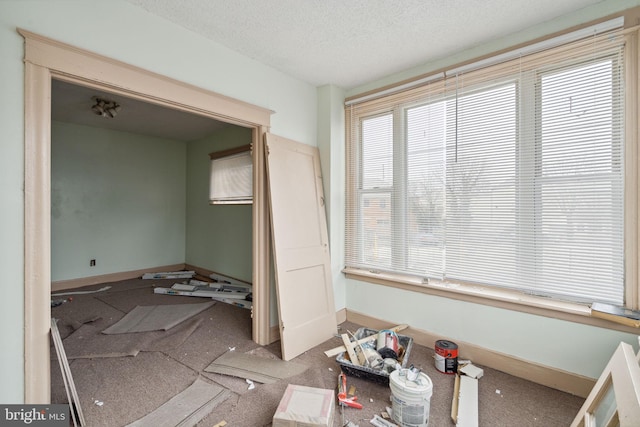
<point>117,387</point>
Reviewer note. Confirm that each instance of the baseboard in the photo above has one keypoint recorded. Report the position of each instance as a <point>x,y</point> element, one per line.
<point>274,334</point>
<point>111,277</point>
<point>545,375</point>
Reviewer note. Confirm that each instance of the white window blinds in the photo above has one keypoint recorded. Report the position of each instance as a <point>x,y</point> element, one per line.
<point>231,177</point>
<point>510,175</point>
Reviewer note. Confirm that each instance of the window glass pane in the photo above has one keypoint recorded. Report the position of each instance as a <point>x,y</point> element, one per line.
<point>481,185</point>
<point>376,229</point>
<point>577,117</point>
<point>377,152</point>
<point>579,185</point>
<point>426,136</point>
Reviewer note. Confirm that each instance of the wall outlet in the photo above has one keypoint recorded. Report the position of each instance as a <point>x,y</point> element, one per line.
<point>92,263</point>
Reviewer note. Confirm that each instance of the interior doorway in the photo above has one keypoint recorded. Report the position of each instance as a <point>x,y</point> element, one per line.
<point>46,59</point>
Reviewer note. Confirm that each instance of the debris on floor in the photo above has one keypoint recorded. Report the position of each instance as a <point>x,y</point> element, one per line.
<point>229,291</point>
<point>342,394</point>
<point>378,421</point>
<point>57,302</point>
<point>59,294</point>
<point>316,406</point>
<point>70,387</point>
<point>169,275</point>
<point>464,404</point>
<point>373,354</point>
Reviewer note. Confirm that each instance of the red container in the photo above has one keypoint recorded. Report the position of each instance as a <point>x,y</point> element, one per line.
<point>446,356</point>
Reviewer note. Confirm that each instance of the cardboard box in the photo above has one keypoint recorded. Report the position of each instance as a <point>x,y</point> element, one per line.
<point>302,406</point>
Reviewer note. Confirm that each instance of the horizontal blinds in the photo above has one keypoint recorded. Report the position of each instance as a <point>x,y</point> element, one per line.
<point>510,175</point>
<point>231,179</point>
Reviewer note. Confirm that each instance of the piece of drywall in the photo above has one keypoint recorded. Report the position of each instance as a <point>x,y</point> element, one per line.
<point>117,198</point>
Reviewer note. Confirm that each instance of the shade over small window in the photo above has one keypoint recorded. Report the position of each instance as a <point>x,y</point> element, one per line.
<point>231,177</point>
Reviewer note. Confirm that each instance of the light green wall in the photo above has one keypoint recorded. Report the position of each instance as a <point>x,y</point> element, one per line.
<point>118,30</point>
<point>331,146</point>
<point>564,345</point>
<point>218,236</point>
<point>116,197</point>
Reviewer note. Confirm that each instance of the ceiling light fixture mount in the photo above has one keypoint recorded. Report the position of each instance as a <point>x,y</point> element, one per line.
<point>105,107</point>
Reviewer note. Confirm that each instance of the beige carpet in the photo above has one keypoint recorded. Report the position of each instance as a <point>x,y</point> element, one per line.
<point>117,391</point>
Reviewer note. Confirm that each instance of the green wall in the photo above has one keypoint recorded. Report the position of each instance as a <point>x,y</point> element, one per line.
<point>219,237</point>
<point>116,197</point>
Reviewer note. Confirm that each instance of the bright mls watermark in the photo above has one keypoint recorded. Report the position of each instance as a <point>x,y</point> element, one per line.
<point>34,415</point>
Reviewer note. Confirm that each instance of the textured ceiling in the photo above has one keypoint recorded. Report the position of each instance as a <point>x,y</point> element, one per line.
<point>352,42</point>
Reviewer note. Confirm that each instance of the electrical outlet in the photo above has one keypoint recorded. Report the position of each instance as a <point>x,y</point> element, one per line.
<point>92,263</point>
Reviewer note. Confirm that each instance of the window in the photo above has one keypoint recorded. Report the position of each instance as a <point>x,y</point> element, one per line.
<point>231,178</point>
<point>509,175</point>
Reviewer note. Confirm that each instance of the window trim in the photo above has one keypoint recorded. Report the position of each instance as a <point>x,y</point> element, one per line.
<point>515,300</point>
<point>490,296</point>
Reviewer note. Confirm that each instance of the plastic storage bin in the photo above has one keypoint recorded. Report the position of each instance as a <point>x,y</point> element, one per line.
<point>376,375</point>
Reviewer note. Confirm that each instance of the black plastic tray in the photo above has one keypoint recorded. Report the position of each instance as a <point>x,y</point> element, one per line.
<point>376,375</point>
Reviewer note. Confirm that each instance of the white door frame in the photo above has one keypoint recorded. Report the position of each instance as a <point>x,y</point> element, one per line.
<point>46,59</point>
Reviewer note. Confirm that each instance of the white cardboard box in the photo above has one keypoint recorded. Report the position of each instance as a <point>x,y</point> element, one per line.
<point>302,406</point>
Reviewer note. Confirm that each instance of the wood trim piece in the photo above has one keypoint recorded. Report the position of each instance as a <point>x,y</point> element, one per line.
<point>262,251</point>
<point>632,177</point>
<point>37,232</point>
<point>80,64</point>
<point>548,376</point>
<point>621,374</point>
<point>110,277</point>
<point>229,152</point>
<point>493,297</point>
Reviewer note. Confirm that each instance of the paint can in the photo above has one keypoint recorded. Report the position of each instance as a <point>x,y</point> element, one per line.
<point>410,397</point>
<point>387,344</point>
<point>446,356</point>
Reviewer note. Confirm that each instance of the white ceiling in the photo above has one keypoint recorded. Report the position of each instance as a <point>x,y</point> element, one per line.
<point>342,42</point>
<point>351,42</point>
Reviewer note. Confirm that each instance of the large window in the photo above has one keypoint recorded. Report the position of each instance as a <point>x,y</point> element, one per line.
<point>509,176</point>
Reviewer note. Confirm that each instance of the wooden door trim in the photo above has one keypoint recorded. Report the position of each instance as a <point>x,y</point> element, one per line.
<point>46,59</point>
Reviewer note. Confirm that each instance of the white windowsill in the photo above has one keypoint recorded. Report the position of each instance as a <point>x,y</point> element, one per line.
<point>496,297</point>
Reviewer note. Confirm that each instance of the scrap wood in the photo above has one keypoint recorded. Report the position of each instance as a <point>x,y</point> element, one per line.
<point>58,294</point>
<point>468,402</point>
<point>378,421</point>
<point>72,394</point>
<point>455,399</point>
<point>472,371</point>
<point>337,350</point>
<point>348,345</point>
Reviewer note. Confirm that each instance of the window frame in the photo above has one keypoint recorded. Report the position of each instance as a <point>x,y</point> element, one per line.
<point>511,299</point>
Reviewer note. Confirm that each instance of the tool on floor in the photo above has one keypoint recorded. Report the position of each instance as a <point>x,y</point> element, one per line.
<point>342,393</point>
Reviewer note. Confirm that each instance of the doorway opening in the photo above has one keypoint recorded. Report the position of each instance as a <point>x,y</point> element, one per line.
<point>45,60</point>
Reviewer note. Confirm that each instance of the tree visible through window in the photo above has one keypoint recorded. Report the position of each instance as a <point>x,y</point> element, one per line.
<point>512,180</point>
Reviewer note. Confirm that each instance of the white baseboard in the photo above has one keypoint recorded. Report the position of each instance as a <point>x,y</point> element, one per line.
<point>111,277</point>
<point>548,376</point>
